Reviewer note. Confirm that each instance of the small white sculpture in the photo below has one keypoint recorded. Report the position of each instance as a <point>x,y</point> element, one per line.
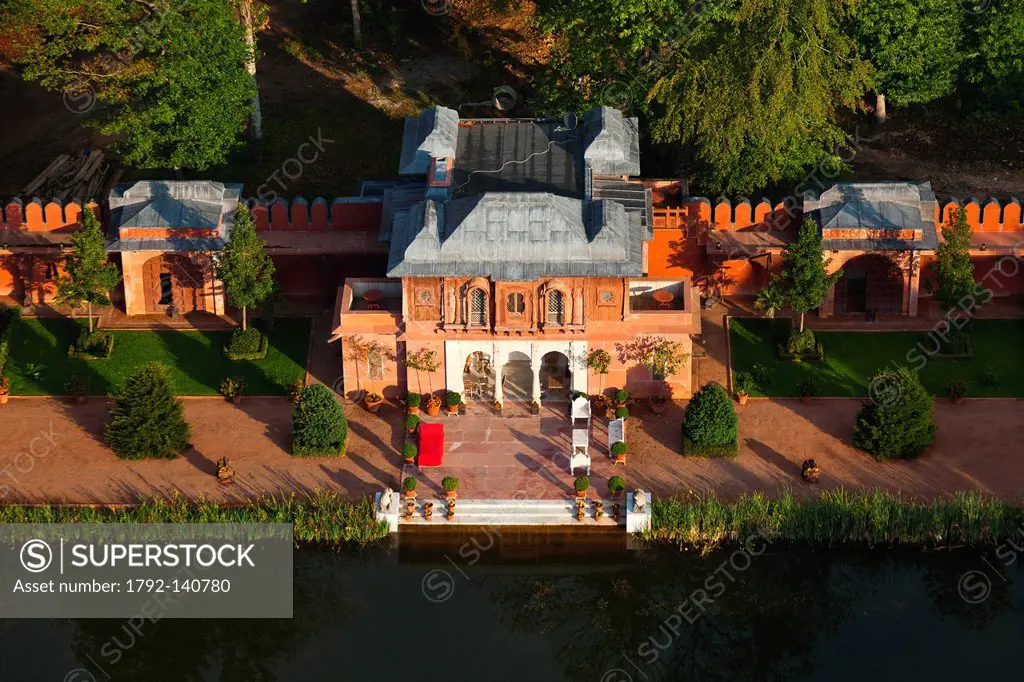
<point>639,501</point>
<point>385,500</point>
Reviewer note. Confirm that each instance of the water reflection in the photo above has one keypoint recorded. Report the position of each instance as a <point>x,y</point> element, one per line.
<point>566,607</point>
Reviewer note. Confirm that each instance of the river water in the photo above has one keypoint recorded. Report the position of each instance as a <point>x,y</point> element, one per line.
<point>479,605</point>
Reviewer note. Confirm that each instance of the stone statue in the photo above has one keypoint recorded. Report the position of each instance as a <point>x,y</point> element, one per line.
<point>639,502</point>
<point>385,500</point>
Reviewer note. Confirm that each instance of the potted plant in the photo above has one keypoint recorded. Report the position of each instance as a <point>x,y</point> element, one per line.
<point>412,402</point>
<point>807,389</point>
<point>372,400</point>
<point>451,508</point>
<point>810,471</point>
<point>598,509</point>
<point>622,413</point>
<point>743,382</point>
<point>615,511</point>
<point>659,403</point>
<point>428,510</point>
<point>616,484</point>
<point>453,400</point>
<point>77,388</point>
<point>497,406</point>
<point>450,485</point>
<point>295,390</point>
<point>621,396</point>
<point>581,484</point>
<point>5,389</point>
<point>601,404</point>
<point>580,513</point>
<point>409,485</point>
<point>432,404</point>
<point>232,388</point>
<point>409,452</point>
<point>411,422</point>
<point>619,450</point>
<point>957,390</point>
<point>410,507</point>
<point>535,407</point>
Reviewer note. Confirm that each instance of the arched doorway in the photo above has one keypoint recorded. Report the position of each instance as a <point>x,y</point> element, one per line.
<point>871,284</point>
<point>478,377</point>
<point>555,377</point>
<point>517,377</point>
<point>173,284</point>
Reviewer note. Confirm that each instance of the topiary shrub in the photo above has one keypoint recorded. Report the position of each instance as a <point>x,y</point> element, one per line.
<point>621,396</point>
<point>581,484</point>
<point>413,400</point>
<point>622,413</point>
<point>92,345</point>
<point>710,424</point>
<point>319,427</point>
<point>900,422</point>
<point>619,448</point>
<point>409,451</point>
<point>616,484</point>
<point>246,344</point>
<point>450,484</point>
<point>147,420</point>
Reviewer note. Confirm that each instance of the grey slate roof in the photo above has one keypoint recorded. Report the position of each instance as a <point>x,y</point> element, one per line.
<point>517,236</point>
<point>524,156</point>
<point>433,133</point>
<point>172,204</point>
<point>611,142</point>
<point>876,205</point>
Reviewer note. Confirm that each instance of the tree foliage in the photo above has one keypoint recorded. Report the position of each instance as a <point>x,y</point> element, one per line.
<point>914,45</point>
<point>997,60</point>
<point>319,426</point>
<point>804,282</point>
<point>953,267</point>
<point>757,96</point>
<point>147,420</point>
<point>169,78</point>
<point>244,265</point>
<point>87,277</point>
<point>710,426</point>
<point>899,420</point>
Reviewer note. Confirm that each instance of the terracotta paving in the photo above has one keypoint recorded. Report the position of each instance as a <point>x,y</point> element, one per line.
<point>524,457</point>
<point>978,448</point>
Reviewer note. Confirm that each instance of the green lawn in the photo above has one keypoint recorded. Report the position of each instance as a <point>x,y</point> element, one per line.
<point>195,360</point>
<point>852,358</point>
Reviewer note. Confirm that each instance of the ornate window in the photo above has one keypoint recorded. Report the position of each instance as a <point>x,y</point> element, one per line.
<point>424,297</point>
<point>606,297</point>
<point>556,307</point>
<point>375,365</point>
<point>515,304</point>
<point>477,308</point>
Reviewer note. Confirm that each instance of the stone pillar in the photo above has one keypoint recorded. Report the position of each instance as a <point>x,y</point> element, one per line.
<point>913,284</point>
<point>498,361</point>
<point>577,306</point>
<point>134,287</point>
<point>535,371</point>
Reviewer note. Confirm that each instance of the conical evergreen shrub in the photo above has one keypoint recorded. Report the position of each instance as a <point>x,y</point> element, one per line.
<point>898,421</point>
<point>710,427</point>
<point>147,420</point>
<point>319,426</point>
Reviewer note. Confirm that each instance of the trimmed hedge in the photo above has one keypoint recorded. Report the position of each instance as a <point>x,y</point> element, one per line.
<point>320,517</point>
<point>147,420</point>
<point>319,426</point>
<point>899,420</point>
<point>95,346</point>
<point>710,427</point>
<point>9,319</point>
<point>246,344</point>
<point>836,517</point>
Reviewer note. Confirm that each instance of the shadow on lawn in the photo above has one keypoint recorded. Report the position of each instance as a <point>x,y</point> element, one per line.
<point>32,349</point>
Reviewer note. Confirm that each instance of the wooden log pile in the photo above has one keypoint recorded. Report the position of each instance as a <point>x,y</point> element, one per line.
<point>85,177</point>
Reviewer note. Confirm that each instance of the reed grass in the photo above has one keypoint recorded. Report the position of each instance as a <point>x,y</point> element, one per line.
<point>320,517</point>
<point>836,518</point>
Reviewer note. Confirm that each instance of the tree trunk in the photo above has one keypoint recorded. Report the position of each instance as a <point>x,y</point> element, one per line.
<point>245,321</point>
<point>357,24</point>
<point>256,117</point>
<point>89,306</point>
<point>801,323</point>
<point>880,112</point>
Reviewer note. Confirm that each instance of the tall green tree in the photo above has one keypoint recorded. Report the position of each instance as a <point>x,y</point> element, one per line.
<point>169,79</point>
<point>147,420</point>
<point>245,266</point>
<point>805,279</point>
<point>953,267</point>
<point>757,96</point>
<point>997,56</point>
<point>914,45</point>
<point>87,277</point>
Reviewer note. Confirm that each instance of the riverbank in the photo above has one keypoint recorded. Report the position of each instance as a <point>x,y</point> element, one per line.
<point>836,517</point>
<point>318,518</point>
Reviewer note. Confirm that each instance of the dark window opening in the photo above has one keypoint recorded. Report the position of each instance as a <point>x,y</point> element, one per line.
<point>166,291</point>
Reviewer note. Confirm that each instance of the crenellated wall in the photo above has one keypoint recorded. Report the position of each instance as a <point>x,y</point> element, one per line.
<point>35,215</point>
<point>985,216</point>
<point>698,215</point>
<point>341,214</point>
